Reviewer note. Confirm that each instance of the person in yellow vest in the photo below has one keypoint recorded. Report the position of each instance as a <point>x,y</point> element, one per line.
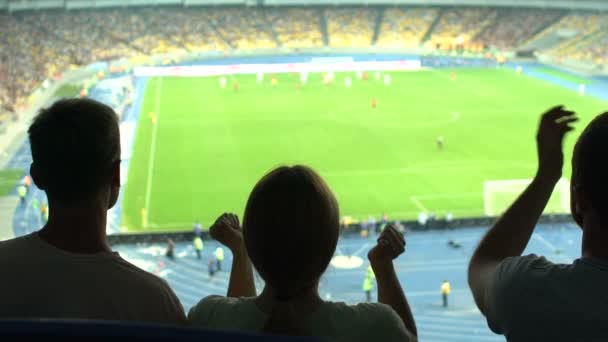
<point>445,292</point>
<point>44,212</point>
<point>198,246</point>
<point>22,192</point>
<point>368,283</point>
<point>219,257</point>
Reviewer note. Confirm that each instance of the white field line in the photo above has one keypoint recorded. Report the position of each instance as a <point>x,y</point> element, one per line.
<point>432,166</point>
<point>418,204</point>
<point>451,336</point>
<point>449,195</point>
<point>435,293</point>
<point>367,245</point>
<point>152,149</point>
<point>544,242</point>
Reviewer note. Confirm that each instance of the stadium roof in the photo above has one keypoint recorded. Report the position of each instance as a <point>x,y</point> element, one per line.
<point>19,5</point>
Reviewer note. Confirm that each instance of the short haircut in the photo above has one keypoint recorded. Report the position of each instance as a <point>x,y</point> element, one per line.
<point>74,144</point>
<point>590,164</point>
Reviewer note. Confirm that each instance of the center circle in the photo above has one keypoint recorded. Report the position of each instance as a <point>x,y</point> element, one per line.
<point>346,262</point>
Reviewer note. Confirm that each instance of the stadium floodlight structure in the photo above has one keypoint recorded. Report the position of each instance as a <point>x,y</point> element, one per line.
<point>499,194</point>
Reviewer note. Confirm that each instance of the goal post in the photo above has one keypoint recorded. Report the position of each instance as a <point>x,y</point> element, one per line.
<point>498,195</point>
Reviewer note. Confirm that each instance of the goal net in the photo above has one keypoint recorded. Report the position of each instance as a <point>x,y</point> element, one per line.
<point>498,195</point>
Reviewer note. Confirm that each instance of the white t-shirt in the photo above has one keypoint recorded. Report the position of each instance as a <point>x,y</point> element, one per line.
<point>334,321</point>
<point>532,299</point>
<point>38,280</point>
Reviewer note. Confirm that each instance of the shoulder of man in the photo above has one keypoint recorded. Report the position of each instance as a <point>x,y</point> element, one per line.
<point>159,287</point>
<point>505,296</point>
<point>14,246</point>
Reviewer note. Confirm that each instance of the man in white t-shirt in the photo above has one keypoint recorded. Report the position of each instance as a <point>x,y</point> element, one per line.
<point>528,298</point>
<point>67,270</point>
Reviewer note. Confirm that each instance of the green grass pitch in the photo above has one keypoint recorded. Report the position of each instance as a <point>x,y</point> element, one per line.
<point>210,145</point>
<point>8,179</point>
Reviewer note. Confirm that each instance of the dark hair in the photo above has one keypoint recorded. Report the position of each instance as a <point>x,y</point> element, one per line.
<point>291,228</point>
<point>590,164</point>
<point>74,144</point>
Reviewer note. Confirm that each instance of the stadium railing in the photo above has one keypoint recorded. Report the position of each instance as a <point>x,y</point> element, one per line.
<point>85,330</point>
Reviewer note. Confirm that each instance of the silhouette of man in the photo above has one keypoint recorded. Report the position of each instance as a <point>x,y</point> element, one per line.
<point>69,271</point>
<point>528,298</point>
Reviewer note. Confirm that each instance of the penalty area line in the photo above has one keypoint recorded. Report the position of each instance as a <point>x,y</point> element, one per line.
<point>418,204</point>
<point>152,152</point>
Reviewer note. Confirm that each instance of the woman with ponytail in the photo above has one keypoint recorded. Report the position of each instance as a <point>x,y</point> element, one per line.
<point>290,232</point>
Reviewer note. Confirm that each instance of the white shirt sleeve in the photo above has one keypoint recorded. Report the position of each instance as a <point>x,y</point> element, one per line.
<point>384,324</point>
<point>199,315</point>
<point>393,327</point>
<point>506,299</point>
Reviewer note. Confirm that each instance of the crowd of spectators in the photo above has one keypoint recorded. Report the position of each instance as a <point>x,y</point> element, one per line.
<point>351,27</point>
<point>593,49</point>
<point>40,45</point>
<point>244,30</point>
<point>405,28</point>
<point>195,31</point>
<point>512,27</point>
<point>296,28</point>
<point>459,27</point>
<point>584,37</point>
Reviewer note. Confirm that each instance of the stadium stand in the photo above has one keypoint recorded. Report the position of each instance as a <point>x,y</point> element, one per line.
<point>296,28</point>
<point>87,44</point>
<point>351,27</point>
<point>459,27</point>
<point>513,26</point>
<point>41,45</point>
<point>581,37</point>
<point>561,37</point>
<point>195,31</point>
<point>593,49</point>
<point>244,30</point>
<point>405,27</point>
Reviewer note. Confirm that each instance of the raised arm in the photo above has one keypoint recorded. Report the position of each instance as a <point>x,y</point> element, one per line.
<point>227,230</point>
<point>390,245</point>
<point>511,233</point>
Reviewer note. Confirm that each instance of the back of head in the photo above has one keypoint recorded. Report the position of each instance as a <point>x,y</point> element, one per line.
<point>291,227</point>
<point>590,166</point>
<point>75,145</point>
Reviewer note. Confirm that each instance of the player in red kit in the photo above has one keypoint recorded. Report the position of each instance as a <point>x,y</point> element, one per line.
<point>235,86</point>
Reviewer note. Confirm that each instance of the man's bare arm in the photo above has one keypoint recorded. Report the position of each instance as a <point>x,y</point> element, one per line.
<point>510,235</point>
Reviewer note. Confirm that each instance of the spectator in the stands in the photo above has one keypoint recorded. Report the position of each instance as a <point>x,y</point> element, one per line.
<point>67,269</point>
<point>528,298</point>
<point>290,232</point>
